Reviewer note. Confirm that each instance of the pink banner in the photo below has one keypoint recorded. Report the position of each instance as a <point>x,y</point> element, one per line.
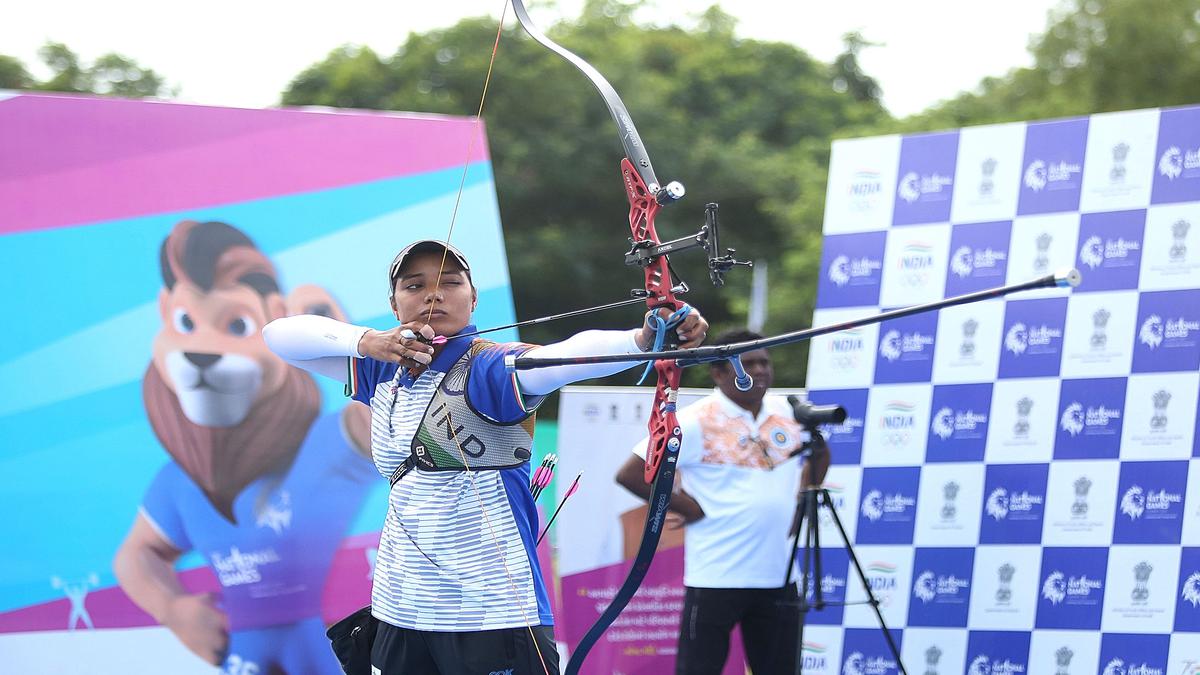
<point>118,159</point>
<point>642,641</point>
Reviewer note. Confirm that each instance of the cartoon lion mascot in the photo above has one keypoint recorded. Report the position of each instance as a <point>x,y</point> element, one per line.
<point>261,484</point>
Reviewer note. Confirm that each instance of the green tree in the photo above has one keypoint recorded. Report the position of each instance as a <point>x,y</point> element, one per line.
<point>116,75</point>
<point>741,122</point>
<point>13,74</point>
<point>68,73</point>
<point>111,75</point>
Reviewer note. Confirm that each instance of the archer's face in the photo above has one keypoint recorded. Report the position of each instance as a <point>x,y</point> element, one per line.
<point>448,308</point>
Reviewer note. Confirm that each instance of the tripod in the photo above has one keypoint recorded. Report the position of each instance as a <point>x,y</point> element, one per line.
<point>806,507</point>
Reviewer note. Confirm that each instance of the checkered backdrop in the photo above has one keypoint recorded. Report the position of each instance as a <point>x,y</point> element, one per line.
<point>1014,474</point>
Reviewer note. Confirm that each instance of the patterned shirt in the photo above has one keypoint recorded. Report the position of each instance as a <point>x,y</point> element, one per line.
<point>739,468</point>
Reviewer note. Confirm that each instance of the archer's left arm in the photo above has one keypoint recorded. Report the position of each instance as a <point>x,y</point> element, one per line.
<point>542,381</point>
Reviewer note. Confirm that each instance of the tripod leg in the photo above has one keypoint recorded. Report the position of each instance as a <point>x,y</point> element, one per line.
<point>812,560</point>
<point>799,519</point>
<point>871,599</point>
<point>814,537</point>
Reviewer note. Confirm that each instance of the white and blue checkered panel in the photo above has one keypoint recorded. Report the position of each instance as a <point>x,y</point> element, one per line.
<point>1014,474</point>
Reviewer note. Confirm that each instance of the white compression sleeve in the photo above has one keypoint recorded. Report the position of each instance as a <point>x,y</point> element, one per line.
<point>316,343</point>
<point>543,381</point>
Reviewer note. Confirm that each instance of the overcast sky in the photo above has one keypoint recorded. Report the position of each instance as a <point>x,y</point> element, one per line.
<point>244,52</point>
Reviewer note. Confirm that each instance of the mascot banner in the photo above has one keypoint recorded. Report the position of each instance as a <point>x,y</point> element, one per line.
<point>153,447</point>
<point>1020,477</point>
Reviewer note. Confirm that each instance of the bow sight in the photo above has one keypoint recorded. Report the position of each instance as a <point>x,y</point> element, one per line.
<point>644,253</point>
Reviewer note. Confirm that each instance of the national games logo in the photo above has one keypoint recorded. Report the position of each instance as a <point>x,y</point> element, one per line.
<point>1119,667</point>
<point>1154,330</point>
<point>1058,588</point>
<point>913,185</point>
<point>1175,160</point>
<point>883,505</point>
<point>1039,175</point>
<point>929,586</point>
<point>1001,503</point>
<point>859,664</point>
<point>844,270</point>
<point>984,665</point>
<point>1137,502</point>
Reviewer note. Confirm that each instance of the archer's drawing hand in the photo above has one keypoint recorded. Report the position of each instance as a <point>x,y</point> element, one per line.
<point>396,346</point>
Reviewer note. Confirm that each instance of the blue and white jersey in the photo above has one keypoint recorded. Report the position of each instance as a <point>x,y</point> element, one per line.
<point>457,551</point>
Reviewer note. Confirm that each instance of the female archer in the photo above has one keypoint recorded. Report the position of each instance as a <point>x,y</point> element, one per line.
<point>457,587</point>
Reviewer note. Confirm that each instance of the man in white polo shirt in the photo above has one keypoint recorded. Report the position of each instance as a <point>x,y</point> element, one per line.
<point>739,480</point>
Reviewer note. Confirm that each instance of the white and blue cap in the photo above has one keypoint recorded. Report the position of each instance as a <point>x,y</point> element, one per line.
<point>426,246</point>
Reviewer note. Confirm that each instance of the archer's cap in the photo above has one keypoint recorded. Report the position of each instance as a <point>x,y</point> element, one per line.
<point>425,246</point>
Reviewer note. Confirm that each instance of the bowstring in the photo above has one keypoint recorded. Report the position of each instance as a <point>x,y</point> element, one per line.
<point>437,285</point>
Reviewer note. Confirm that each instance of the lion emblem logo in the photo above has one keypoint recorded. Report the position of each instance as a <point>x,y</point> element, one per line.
<point>925,587</point>
<point>839,271</point>
<point>961,262</point>
<point>943,424</point>
<point>910,187</point>
<point>872,505</point>
<point>1171,163</point>
<point>1191,589</point>
<point>1133,502</point>
<point>1016,340</point>
<point>980,666</point>
<point>1092,252</point>
<point>1115,667</point>
<point>1072,419</point>
<point>997,504</point>
<point>1035,175</point>
<point>1054,588</point>
<point>855,664</point>
<point>1151,332</point>
<point>889,346</point>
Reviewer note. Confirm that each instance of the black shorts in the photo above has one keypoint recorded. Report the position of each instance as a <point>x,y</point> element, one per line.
<point>770,622</point>
<point>507,651</point>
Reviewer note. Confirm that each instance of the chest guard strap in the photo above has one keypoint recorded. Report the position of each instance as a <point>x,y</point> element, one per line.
<point>451,422</point>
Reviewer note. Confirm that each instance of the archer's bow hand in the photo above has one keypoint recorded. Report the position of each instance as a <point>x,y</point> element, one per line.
<point>690,331</point>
